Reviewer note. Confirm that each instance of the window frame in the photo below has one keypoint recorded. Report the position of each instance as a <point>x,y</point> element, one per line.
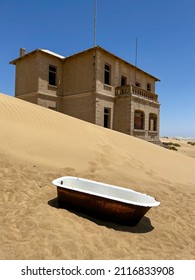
<point>139,122</point>
<point>153,116</point>
<point>52,79</point>
<point>107,117</point>
<point>107,74</point>
<point>123,80</point>
<point>149,87</point>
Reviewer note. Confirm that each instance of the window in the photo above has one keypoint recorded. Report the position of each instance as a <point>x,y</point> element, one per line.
<point>52,75</point>
<point>107,74</point>
<point>52,108</point>
<point>137,84</point>
<point>148,87</point>
<point>107,113</point>
<point>123,80</point>
<point>138,120</point>
<point>152,122</point>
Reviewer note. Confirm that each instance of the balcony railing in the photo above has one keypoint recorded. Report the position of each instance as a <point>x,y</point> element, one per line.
<point>135,91</point>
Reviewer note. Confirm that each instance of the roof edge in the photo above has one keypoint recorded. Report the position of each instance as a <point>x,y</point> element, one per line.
<point>84,51</point>
<point>34,51</point>
<point>132,65</point>
<point>117,57</point>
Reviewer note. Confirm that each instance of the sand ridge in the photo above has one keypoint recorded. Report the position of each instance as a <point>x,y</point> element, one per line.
<point>184,147</point>
<point>39,145</point>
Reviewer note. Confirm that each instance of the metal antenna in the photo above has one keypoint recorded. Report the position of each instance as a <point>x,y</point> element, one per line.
<point>95,12</point>
<point>136,52</point>
<point>136,60</point>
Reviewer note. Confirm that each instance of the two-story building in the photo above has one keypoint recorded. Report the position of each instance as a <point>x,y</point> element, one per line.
<point>93,85</point>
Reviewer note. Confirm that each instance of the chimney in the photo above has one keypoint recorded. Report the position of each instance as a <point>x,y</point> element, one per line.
<point>22,51</point>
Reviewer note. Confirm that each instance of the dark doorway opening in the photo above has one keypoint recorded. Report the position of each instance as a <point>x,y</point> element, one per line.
<point>107,112</point>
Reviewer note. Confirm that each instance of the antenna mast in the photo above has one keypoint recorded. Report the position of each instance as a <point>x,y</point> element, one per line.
<point>95,12</point>
<point>136,59</point>
<point>136,52</point>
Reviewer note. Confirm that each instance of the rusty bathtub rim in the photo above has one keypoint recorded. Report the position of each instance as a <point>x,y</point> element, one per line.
<point>58,183</point>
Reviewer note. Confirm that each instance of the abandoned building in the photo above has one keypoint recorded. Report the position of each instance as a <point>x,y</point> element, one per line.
<point>93,85</point>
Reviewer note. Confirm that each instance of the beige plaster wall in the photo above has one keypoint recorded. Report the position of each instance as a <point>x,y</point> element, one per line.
<point>81,106</point>
<point>26,76</point>
<point>43,62</point>
<point>122,114</point>
<point>79,74</point>
<point>101,103</point>
<point>148,108</point>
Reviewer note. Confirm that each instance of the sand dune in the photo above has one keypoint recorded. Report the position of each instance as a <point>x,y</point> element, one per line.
<point>38,145</point>
<point>183,146</point>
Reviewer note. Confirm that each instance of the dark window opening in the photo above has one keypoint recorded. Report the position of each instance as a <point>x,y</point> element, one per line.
<point>139,120</point>
<point>137,84</point>
<point>123,80</point>
<point>52,108</point>
<point>52,75</point>
<point>107,74</point>
<point>152,122</point>
<point>148,87</point>
<point>107,112</point>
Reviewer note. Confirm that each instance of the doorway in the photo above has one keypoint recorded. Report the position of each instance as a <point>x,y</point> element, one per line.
<point>107,114</point>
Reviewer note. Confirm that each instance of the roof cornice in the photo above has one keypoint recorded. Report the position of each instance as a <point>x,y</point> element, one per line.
<point>79,53</point>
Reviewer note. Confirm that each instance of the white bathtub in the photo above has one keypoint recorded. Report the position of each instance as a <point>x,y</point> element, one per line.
<point>101,200</point>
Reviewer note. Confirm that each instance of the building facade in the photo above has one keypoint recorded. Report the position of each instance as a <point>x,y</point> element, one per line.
<point>93,85</point>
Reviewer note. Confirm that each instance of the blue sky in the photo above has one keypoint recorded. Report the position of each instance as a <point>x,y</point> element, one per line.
<point>166,43</point>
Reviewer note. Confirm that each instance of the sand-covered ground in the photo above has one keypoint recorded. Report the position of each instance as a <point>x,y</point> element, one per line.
<point>183,146</point>
<point>38,145</point>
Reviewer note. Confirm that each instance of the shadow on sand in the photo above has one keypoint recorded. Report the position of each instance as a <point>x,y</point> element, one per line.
<point>143,226</point>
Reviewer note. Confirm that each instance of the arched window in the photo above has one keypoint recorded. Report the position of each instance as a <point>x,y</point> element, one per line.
<point>152,122</point>
<point>138,120</point>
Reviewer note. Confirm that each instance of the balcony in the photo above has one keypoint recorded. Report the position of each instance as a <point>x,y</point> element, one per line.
<point>130,90</point>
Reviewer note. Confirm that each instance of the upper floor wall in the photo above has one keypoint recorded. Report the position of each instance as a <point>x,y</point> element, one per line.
<point>79,73</point>
<point>26,78</point>
<point>38,72</point>
<point>50,73</point>
<point>112,71</point>
<point>93,70</point>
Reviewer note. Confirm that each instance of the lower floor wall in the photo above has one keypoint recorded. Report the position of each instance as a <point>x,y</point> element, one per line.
<point>128,114</point>
<point>137,117</point>
<point>104,111</point>
<point>31,97</point>
<point>81,106</point>
<point>43,100</point>
<point>148,136</point>
<point>150,112</point>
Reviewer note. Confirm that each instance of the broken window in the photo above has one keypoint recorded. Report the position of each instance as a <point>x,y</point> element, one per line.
<point>152,122</point>
<point>52,75</point>
<point>107,71</point>
<point>138,120</point>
